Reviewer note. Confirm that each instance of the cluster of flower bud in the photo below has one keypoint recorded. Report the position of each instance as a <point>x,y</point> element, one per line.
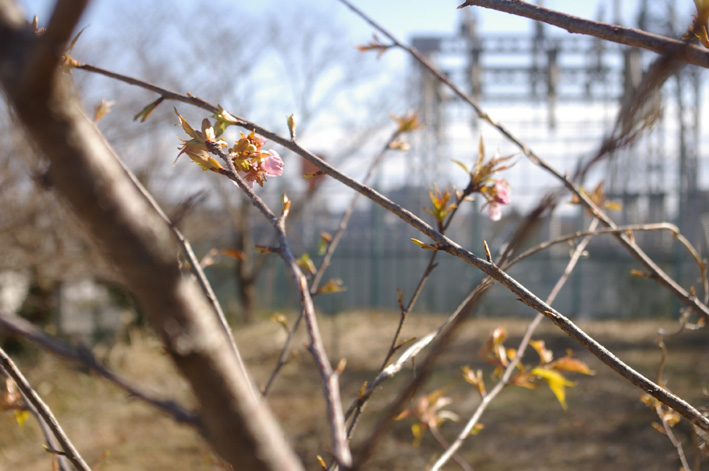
<point>251,162</point>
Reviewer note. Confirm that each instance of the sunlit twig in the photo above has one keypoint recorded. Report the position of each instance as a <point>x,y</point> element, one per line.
<point>28,331</point>
<point>507,374</point>
<point>597,212</point>
<point>528,298</point>
<point>330,376</point>
<point>608,32</point>
<point>9,367</point>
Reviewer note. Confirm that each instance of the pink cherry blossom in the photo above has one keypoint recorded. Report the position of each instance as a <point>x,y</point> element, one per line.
<point>273,164</point>
<point>502,191</point>
<point>493,210</point>
<point>270,165</point>
<point>497,195</point>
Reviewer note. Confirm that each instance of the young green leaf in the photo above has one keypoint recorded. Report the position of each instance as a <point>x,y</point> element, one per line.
<point>556,382</point>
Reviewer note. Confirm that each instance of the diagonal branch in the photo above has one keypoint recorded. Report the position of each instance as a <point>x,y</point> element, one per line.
<point>9,367</point>
<point>325,263</point>
<point>194,264</point>
<point>507,374</point>
<point>662,277</point>
<point>609,32</point>
<point>330,377</point>
<point>43,63</point>
<point>29,332</point>
<point>447,245</point>
<point>142,249</point>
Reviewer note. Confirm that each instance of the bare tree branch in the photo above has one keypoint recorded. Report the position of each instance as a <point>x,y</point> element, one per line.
<point>661,226</point>
<point>314,284</point>
<point>447,245</point>
<point>9,367</point>
<point>683,295</point>
<point>194,264</point>
<point>619,34</point>
<point>29,332</point>
<point>330,377</point>
<point>507,374</point>
<point>140,245</point>
<point>46,56</point>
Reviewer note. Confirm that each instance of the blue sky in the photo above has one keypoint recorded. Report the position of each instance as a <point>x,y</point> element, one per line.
<point>402,17</point>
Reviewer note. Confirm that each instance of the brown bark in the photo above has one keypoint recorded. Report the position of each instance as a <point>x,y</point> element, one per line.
<point>86,173</point>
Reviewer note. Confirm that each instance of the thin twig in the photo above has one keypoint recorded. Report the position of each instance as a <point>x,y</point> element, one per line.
<point>660,408</point>
<point>507,374</point>
<point>490,269</point>
<point>330,377</point>
<point>194,265</point>
<point>283,357</point>
<point>457,458</point>
<point>52,444</point>
<point>662,226</point>
<point>358,404</point>
<point>597,212</point>
<point>673,439</point>
<point>86,359</point>
<point>438,340</point>
<point>356,408</point>
<point>44,60</point>
<point>9,367</point>
<point>609,32</point>
<point>325,263</point>
<point>394,347</point>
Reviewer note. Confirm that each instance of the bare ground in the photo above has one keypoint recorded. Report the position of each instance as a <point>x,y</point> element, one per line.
<point>606,426</point>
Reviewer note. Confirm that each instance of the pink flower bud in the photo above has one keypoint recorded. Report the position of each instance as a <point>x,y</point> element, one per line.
<point>502,191</point>
<point>273,164</point>
<point>494,211</point>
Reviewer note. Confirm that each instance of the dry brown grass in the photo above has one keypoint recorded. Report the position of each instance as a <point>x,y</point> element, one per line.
<point>606,426</point>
